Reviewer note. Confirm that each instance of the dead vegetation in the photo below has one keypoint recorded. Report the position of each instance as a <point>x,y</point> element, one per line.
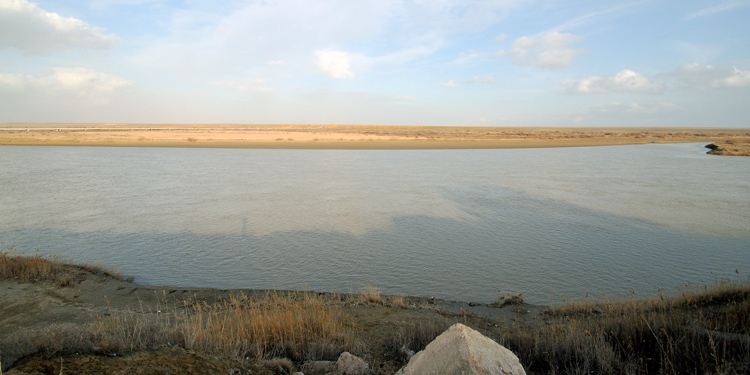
<point>298,326</point>
<point>31,268</point>
<point>705,329</point>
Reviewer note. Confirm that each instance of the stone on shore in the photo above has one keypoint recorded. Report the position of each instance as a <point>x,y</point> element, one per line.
<point>463,351</point>
<point>349,364</point>
<point>508,298</point>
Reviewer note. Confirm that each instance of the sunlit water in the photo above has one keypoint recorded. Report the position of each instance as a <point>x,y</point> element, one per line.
<point>455,224</point>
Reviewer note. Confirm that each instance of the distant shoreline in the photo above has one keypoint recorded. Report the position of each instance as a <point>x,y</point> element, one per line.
<point>351,136</point>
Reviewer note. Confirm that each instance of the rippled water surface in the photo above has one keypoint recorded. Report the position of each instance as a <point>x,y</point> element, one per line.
<point>455,224</point>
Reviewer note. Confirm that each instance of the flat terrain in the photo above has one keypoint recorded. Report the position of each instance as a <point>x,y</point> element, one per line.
<point>356,136</point>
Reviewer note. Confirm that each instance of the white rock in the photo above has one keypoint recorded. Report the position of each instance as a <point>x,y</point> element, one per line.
<point>349,364</point>
<point>463,351</point>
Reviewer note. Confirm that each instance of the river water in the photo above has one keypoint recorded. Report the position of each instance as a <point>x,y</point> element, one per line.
<point>457,224</point>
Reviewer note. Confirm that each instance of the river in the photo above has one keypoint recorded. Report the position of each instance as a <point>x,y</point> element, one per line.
<point>550,223</point>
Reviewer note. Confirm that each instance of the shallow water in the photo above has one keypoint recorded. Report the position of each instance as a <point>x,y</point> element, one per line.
<point>455,224</point>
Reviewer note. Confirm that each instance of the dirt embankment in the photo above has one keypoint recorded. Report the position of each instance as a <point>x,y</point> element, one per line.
<point>84,321</point>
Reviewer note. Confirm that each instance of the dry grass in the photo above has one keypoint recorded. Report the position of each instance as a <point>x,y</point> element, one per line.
<point>398,302</point>
<point>704,330</point>
<point>40,268</point>
<point>28,268</point>
<point>413,337</point>
<point>299,326</point>
<point>295,325</point>
<point>370,294</point>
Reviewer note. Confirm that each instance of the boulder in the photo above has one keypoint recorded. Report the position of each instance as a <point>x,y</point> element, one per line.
<point>463,351</point>
<point>349,364</point>
<point>508,298</point>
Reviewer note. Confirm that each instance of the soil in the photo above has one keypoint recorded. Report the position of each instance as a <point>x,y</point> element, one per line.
<point>91,296</point>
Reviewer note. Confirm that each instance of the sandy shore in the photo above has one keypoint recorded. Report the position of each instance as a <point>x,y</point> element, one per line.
<point>352,136</point>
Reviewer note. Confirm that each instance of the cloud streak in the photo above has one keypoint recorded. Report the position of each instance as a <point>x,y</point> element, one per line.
<point>721,8</point>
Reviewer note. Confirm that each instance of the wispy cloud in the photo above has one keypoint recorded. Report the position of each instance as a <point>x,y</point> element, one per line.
<point>549,50</point>
<point>72,83</point>
<point>720,76</point>
<point>449,84</point>
<point>593,17</point>
<point>635,108</point>
<point>34,31</point>
<point>724,7</point>
<point>246,85</point>
<point>481,80</point>
<point>469,55</point>
<point>626,81</point>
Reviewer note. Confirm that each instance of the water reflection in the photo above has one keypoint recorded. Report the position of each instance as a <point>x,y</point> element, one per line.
<point>457,224</point>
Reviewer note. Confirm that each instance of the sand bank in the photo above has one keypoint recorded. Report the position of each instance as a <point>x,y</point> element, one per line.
<point>350,136</point>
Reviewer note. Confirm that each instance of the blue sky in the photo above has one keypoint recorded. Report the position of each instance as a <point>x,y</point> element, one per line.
<point>442,62</point>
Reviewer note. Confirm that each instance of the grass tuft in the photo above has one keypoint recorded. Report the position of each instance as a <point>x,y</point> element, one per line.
<point>292,325</point>
<point>370,294</point>
<point>30,268</point>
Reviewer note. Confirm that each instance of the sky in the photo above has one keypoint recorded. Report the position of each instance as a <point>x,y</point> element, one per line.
<point>377,62</point>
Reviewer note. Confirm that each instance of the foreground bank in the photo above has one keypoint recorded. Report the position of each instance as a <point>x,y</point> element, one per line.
<point>82,320</point>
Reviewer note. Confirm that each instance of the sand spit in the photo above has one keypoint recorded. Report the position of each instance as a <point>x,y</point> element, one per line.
<point>352,136</point>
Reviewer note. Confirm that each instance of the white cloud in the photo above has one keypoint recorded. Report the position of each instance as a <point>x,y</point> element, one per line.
<point>720,76</point>
<point>633,108</point>
<point>469,55</point>
<point>34,31</point>
<point>390,32</point>
<point>500,37</point>
<point>549,50</point>
<point>725,7</point>
<point>484,80</point>
<point>449,84</point>
<point>400,56</point>
<point>626,81</point>
<point>246,85</point>
<point>70,83</point>
<point>334,63</point>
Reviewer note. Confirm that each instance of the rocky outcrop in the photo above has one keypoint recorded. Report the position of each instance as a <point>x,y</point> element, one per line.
<point>463,351</point>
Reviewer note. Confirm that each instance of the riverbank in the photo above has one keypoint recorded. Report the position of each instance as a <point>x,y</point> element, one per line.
<point>350,136</point>
<point>77,319</point>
